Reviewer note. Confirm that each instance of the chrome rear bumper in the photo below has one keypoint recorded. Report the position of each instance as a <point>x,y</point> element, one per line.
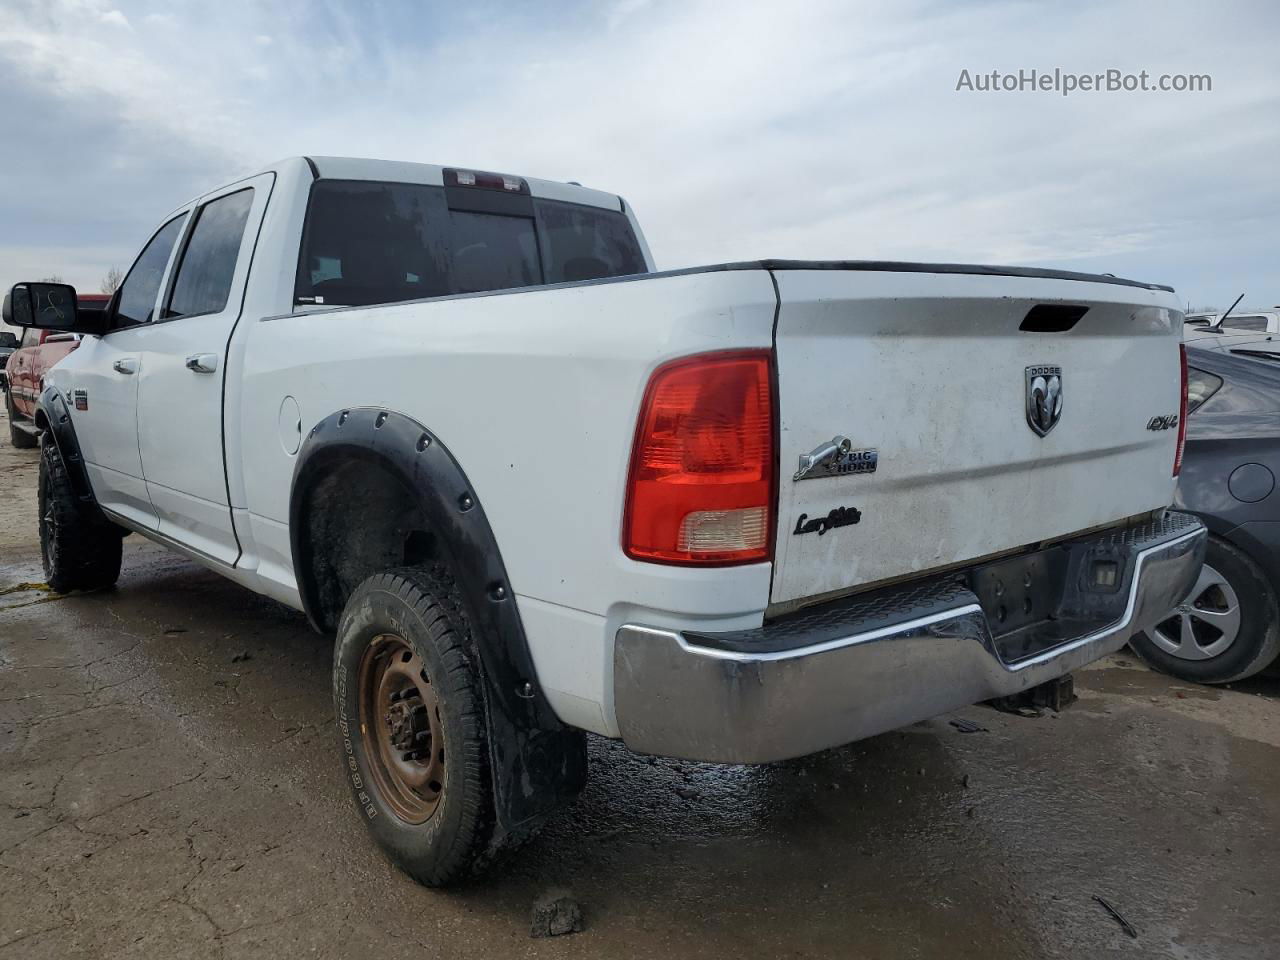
<point>848,670</point>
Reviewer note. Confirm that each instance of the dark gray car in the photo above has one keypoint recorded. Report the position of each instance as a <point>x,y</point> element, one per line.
<point>1228,627</point>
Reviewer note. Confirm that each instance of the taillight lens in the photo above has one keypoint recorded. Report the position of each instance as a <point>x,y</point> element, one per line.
<point>1182,413</point>
<point>701,486</point>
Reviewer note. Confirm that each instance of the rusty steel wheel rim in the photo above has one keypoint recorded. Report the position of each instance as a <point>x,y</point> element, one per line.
<point>401,728</point>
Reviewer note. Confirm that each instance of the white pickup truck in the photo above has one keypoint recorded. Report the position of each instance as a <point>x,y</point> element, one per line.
<point>735,513</point>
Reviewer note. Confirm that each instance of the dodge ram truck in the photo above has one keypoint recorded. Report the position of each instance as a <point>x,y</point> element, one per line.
<point>736,513</point>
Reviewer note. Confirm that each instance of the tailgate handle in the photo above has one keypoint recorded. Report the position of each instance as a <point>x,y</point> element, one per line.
<point>1052,317</point>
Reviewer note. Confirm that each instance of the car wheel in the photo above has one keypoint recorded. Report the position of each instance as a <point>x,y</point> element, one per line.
<point>1227,628</point>
<point>80,550</point>
<point>411,720</point>
<point>17,436</point>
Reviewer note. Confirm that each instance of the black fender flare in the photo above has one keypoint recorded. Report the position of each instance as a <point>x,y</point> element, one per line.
<point>537,762</point>
<point>54,418</point>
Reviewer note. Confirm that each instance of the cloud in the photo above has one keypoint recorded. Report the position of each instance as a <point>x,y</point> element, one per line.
<point>822,129</point>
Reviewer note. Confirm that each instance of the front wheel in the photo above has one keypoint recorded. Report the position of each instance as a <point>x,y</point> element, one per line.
<point>411,720</point>
<point>79,549</point>
<point>1227,628</point>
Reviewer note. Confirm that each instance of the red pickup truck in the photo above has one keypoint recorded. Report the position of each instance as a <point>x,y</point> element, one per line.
<point>38,351</point>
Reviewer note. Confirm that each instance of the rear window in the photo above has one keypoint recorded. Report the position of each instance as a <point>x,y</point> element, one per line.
<point>367,242</point>
<point>586,243</point>
<point>1246,323</point>
<point>493,252</point>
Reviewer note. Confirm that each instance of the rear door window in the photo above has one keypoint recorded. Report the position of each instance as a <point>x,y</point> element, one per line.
<point>139,291</point>
<point>208,263</point>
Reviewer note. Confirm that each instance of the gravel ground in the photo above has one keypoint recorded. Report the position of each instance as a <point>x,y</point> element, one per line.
<point>170,787</point>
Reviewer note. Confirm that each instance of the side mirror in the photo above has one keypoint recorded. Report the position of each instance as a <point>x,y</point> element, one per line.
<point>46,306</point>
<point>8,339</point>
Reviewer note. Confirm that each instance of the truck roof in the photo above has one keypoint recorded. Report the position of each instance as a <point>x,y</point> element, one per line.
<point>431,174</point>
<point>428,174</point>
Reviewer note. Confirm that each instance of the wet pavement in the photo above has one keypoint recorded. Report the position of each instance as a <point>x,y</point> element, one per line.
<point>170,787</point>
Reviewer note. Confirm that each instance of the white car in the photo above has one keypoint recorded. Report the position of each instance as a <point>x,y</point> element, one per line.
<point>1252,321</point>
<point>1230,340</point>
<point>734,513</point>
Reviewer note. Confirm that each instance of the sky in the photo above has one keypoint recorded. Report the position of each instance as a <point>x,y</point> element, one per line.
<point>743,130</point>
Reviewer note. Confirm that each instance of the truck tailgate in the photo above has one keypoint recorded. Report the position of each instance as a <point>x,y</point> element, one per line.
<point>932,372</point>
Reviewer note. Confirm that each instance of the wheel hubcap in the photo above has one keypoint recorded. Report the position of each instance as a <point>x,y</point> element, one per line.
<point>1205,624</point>
<point>401,728</point>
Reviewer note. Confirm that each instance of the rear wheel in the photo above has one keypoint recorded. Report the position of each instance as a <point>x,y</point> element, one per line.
<point>17,436</point>
<point>411,719</point>
<point>79,549</point>
<point>1227,628</point>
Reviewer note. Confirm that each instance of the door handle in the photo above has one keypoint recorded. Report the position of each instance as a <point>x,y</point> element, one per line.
<point>126,365</point>
<point>202,362</point>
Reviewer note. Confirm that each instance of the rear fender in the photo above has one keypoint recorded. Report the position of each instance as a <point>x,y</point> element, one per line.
<point>537,761</point>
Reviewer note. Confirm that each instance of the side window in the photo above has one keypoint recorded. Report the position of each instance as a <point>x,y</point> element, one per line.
<point>209,261</point>
<point>1201,385</point>
<point>139,290</point>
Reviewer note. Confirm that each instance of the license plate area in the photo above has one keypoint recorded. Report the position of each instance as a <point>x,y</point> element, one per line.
<point>1021,591</point>
<point>1037,601</point>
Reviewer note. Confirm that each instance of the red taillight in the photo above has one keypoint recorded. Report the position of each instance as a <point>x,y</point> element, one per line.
<point>701,486</point>
<point>1182,412</point>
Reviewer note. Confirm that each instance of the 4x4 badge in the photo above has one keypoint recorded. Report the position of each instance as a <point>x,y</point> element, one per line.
<point>1044,398</point>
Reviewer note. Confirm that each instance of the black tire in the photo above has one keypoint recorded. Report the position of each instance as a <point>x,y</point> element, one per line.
<point>1257,640</point>
<point>17,436</point>
<point>80,550</point>
<point>422,610</point>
